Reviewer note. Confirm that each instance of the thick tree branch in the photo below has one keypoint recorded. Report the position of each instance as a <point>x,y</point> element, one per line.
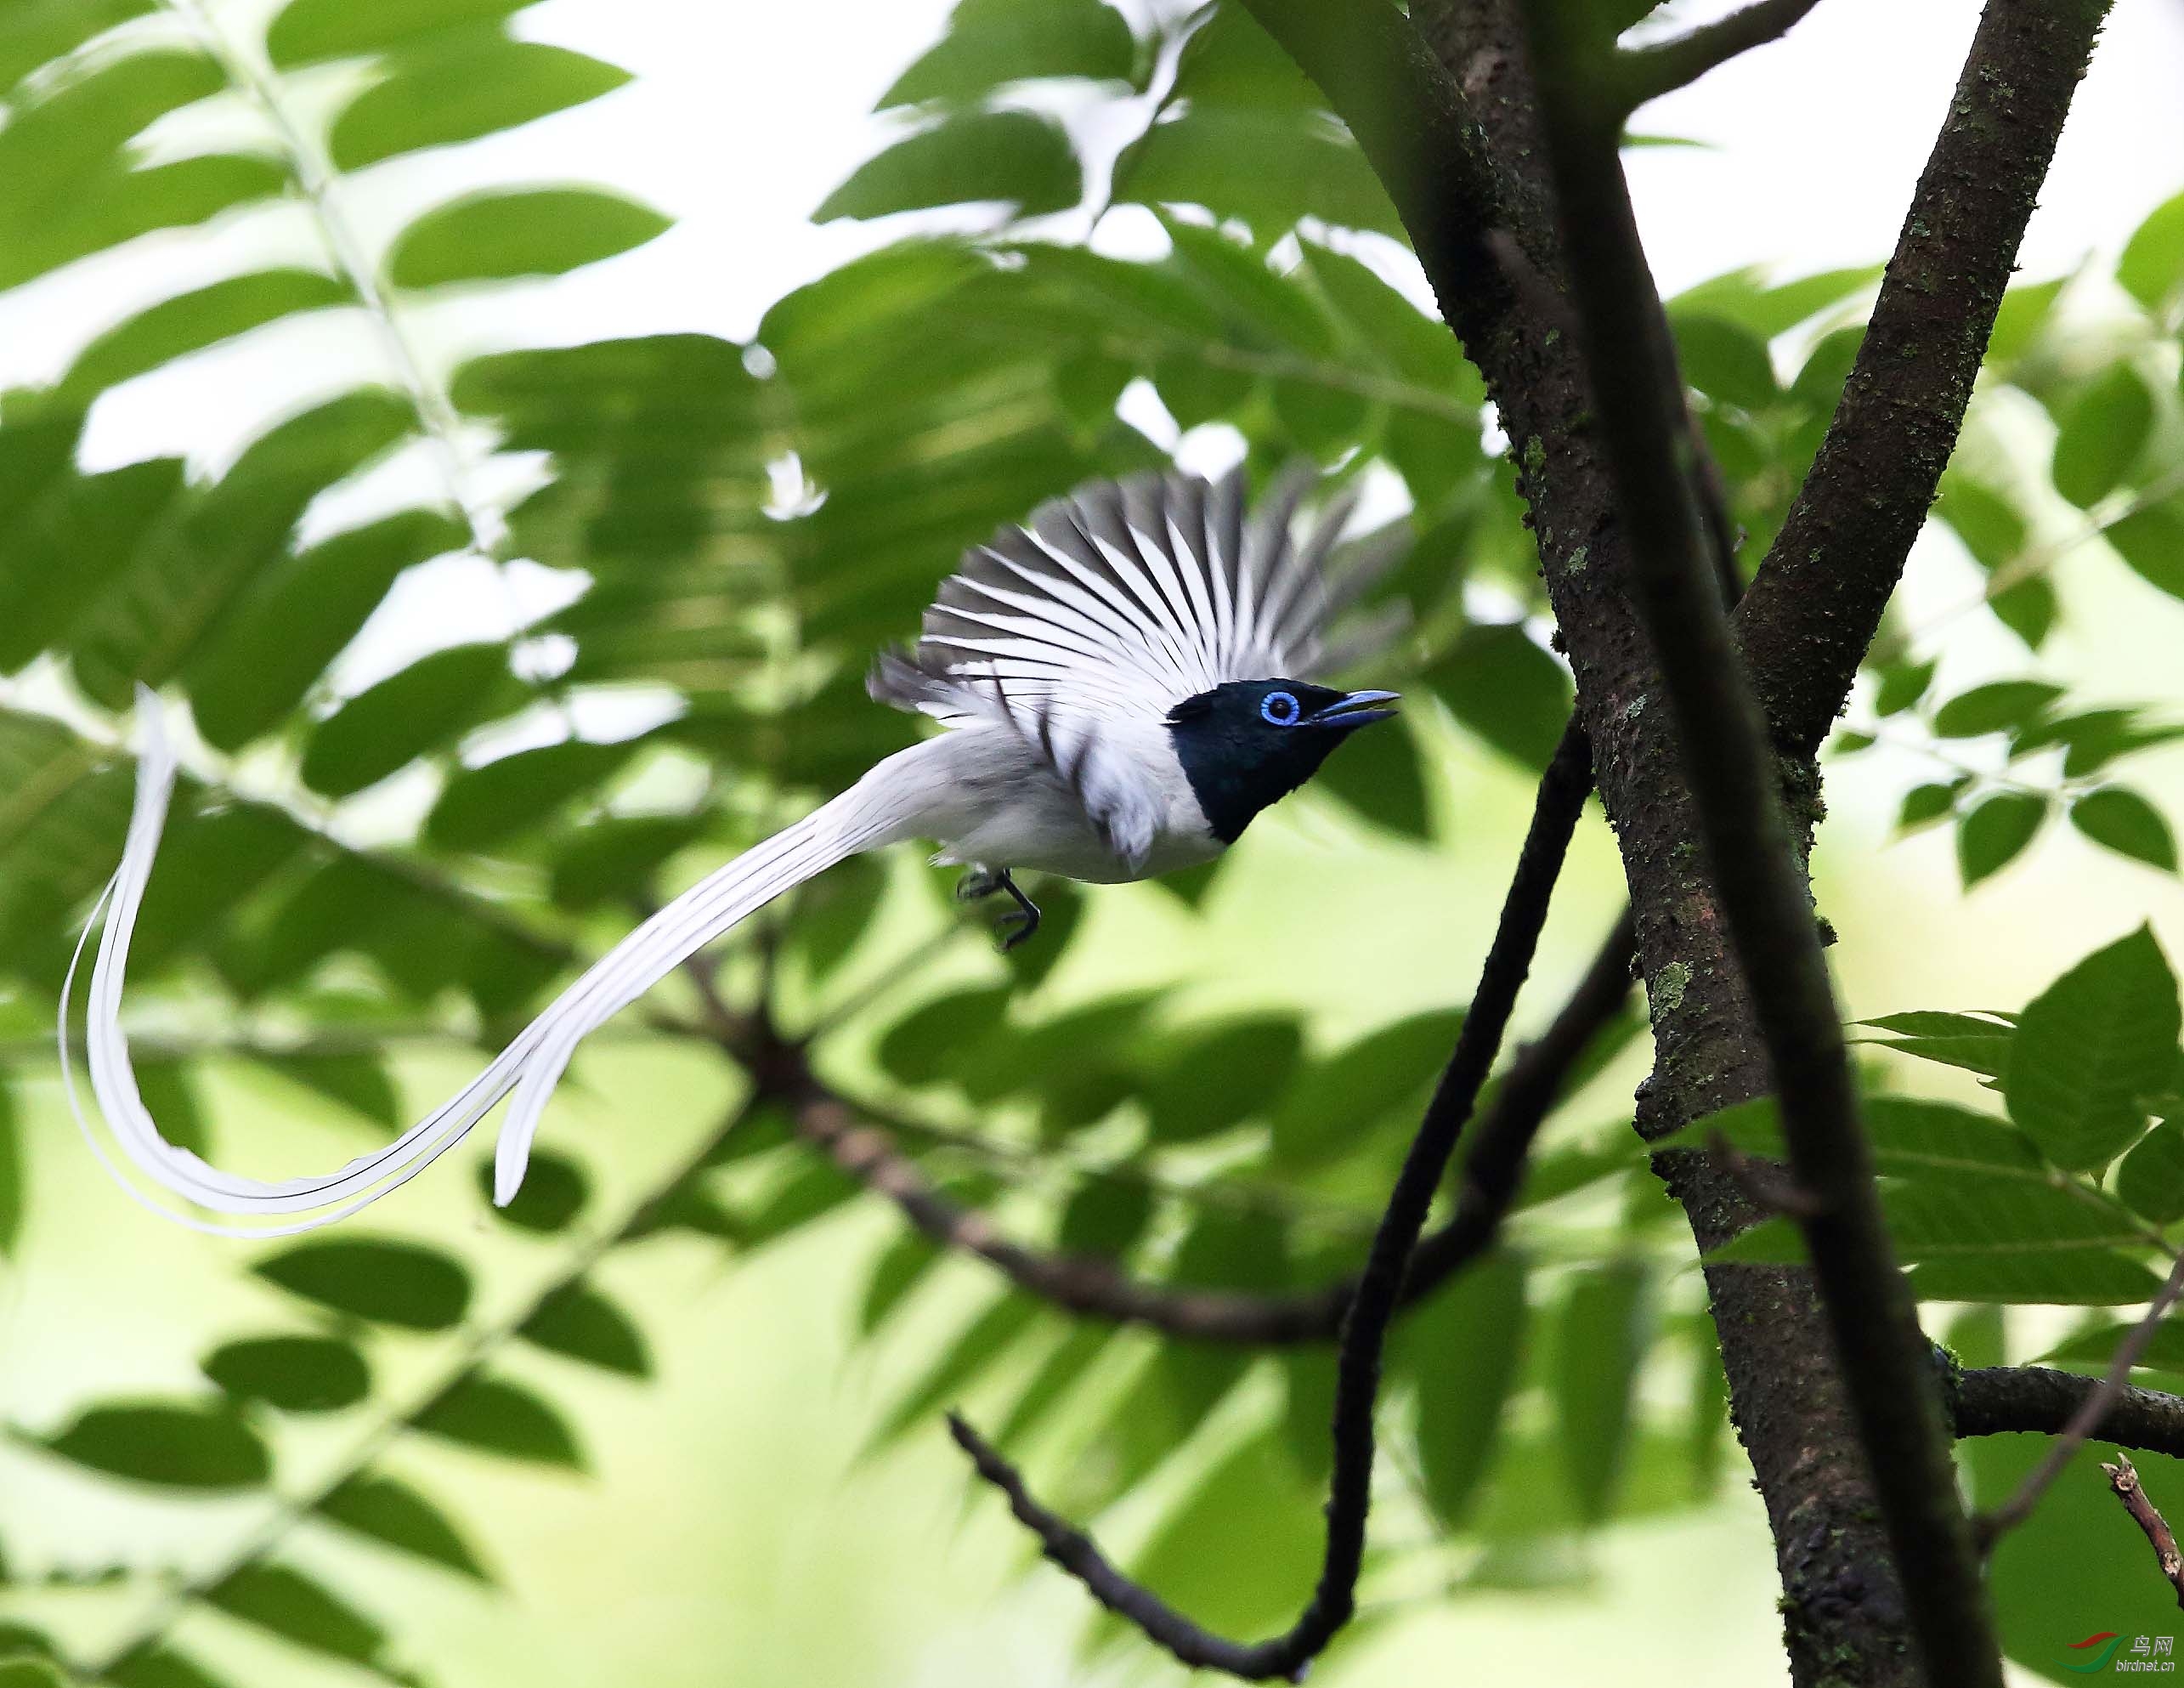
<point>1562,793</point>
<point>2123,1478</point>
<point>1816,604</point>
<point>2040,1401</point>
<point>1755,867</point>
<point>1644,73</point>
<point>1843,1605</point>
<point>2004,1518</point>
<point>1095,1286</point>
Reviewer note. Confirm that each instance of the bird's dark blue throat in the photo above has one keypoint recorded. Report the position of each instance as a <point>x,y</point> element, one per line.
<point>1244,744</point>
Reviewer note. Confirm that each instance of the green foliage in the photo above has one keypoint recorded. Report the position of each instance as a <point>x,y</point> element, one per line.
<point>168,1446</point>
<point>389,1283</point>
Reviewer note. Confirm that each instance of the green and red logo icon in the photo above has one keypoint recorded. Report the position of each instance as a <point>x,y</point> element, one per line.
<point>2107,1641</point>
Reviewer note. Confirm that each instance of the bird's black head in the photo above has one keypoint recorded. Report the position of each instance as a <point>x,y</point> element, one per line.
<point>1245,744</point>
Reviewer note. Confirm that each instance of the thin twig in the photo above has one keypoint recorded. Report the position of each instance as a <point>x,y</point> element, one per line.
<point>1994,1526</point>
<point>1644,73</point>
<point>2123,1478</point>
<point>1562,793</point>
<point>1637,393</point>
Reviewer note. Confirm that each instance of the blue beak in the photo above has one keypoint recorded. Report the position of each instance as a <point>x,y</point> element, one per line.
<point>1356,709</point>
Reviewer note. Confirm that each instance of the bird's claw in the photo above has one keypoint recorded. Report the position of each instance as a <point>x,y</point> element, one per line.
<point>1017,925</point>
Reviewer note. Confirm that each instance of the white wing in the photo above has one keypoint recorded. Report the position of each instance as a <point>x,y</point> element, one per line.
<point>1123,599</point>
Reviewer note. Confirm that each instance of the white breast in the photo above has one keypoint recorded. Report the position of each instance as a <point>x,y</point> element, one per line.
<point>994,801</point>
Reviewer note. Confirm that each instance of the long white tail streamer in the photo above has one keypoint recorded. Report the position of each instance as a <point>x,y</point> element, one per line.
<point>871,813</point>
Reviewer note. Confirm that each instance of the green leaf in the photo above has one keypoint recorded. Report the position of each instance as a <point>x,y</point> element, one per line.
<point>2097,1346</point>
<point>1380,778</point>
<point>1268,167</point>
<point>1995,831</point>
<point>1104,1218</point>
<point>615,858</point>
<point>395,1514</point>
<point>309,29</point>
<point>45,30</point>
<point>206,548</point>
<point>2123,821</point>
<point>80,186</point>
<point>2103,436</point>
<point>978,1345</point>
<point>487,805</point>
<point>296,1373</point>
<point>498,1417</point>
<point>1996,707</point>
<point>189,322</point>
<point>1463,1346</point>
<point>993,42</point>
<point>1939,1139</point>
<point>1743,297</point>
<point>2025,313</point>
<point>2151,266</point>
<point>552,1193</point>
<point>1902,685</point>
<point>1727,363</point>
<point>1253,1496</point>
<point>1966,1040</point>
<point>170,1446</point>
<point>1221,1076</point>
<point>388,1282</point>
<point>576,1320</point>
<point>2150,1179</point>
<point>359,1082</point>
<point>501,233</point>
<point>386,726</point>
<point>1923,805</point>
<point>2151,542</point>
<point>294,616</point>
<point>284,1600</point>
<point>470,86</point>
<point>1602,1331</point>
<point>1334,1105</point>
<point>2088,1278</point>
<point>161,1667</point>
<point>1506,689</point>
<point>1989,525</point>
<point>1013,157</point>
<point>2090,1049</point>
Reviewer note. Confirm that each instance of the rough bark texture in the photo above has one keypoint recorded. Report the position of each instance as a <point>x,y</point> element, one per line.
<point>1843,1608</point>
<point>1843,1611</point>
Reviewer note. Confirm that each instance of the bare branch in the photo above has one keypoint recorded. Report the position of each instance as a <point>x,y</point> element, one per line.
<point>1095,1286</point>
<point>2123,1478</point>
<point>1561,800</point>
<point>1816,604</point>
<point>1637,392</point>
<point>1994,1526</point>
<point>2040,1401</point>
<point>1643,73</point>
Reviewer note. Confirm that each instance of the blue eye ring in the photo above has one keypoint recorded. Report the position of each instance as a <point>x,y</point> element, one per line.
<point>1279,709</point>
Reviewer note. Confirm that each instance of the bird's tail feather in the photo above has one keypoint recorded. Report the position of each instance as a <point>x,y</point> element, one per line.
<point>876,810</point>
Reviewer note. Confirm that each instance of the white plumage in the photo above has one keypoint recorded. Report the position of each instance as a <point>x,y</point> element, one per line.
<point>1053,657</point>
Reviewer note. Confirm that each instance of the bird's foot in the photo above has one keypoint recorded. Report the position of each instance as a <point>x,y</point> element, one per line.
<point>1013,928</point>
